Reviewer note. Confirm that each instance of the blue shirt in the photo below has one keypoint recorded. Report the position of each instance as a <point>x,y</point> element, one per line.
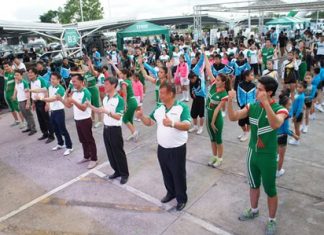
<point>284,128</point>
<point>298,105</point>
<point>97,59</point>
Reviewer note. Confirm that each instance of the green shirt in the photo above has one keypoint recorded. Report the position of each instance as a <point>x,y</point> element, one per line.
<point>267,54</point>
<point>129,89</point>
<point>263,137</point>
<point>90,79</point>
<point>9,82</point>
<point>214,98</point>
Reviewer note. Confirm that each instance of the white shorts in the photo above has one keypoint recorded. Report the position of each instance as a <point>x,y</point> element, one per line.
<point>138,99</point>
<point>184,81</point>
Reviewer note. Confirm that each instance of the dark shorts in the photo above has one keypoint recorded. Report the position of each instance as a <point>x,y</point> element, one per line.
<point>308,104</point>
<point>320,85</point>
<point>299,118</point>
<point>243,122</point>
<point>255,68</point>
<point>198,107</point>
<point>282,140</point>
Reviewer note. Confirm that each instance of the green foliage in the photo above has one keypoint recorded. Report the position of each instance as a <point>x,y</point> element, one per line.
<point>71,13</point>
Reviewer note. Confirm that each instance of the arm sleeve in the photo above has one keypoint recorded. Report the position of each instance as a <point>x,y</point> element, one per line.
<point>185,115</point>
<point>197,69</point>
<point>121,106</point>
<point>151,70</point>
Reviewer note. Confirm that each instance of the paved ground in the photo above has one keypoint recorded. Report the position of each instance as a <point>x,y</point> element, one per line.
<point>43,192</point>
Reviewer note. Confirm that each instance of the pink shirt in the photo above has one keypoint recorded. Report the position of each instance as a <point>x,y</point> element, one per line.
<point>182,70</point>
<point>225,61</point>
<point>138,88</point>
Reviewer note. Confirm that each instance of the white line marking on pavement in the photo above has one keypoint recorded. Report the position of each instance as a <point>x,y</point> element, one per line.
<point>210,227</point>
<point>135,191</point>
<point>191,218</point>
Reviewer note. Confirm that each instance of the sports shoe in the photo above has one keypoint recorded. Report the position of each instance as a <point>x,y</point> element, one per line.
<point>137,119</point>
<point>312,116</point>
<point>280,173</point>
<point>135,136</point>
<point>212,160</point>
<point>186,100</point>
<point>67,152</point>
<point>305,129</point>
<point>83,160</point>
<point>240,136</point>
<point>22,125</point>
<point>319,107</point>
<point>193,129</point>
<point>16,123</point>
<point>293,142</point>
<point>200,130</point>
<point>244,137</point>
<point>98,124</point>
<point>182,99</point>
<point>271,227</point>
<point>248,215</point>
<point>57,147</point>
<point>92,164</point>
<point>218,162</point>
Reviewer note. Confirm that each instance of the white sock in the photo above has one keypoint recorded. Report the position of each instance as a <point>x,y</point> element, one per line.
<point>187,94</point>
<point>272,219</point>
<point>195,126</point>
<point>184,94</point>
<point>254,210</point>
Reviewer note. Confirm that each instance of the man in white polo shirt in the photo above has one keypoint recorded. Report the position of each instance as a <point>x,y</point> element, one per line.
<point>173,122</point>
<point>113,110</point>
<point>82,116</point>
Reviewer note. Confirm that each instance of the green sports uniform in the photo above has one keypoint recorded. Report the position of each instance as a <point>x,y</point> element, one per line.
<point>157,88</point>
<point>138,70</point>
<point>91,82</point>
<point>267,54</point>
<point>9,88</point>
<point>302,67</point>
<point>262,150</point>
<point>213,100</point>
<point>131,103</point>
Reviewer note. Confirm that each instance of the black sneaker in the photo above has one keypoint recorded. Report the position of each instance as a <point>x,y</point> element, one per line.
<point>32,132</point>
<point>43,137</point>
<point>123,179</point>
<point>180,206</point>
<point>49,140</point>
<point>113,176</point>
<point>26,130</point>
<point>167,198</point>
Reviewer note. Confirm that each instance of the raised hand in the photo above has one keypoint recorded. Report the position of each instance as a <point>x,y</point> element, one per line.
<point>167,121</point>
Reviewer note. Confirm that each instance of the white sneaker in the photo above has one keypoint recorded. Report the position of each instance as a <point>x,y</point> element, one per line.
<point>137,120</point>
<point>240,136</point>
<point>293,142</point>
<point>182,99</point>
<point>186,100</point>
<point>16,123</point>
<point>305,129</point>
<point>218,163</point>
<point>319,108</point>
<point>322,103</point>
<point>244,137</point>
<point>67,152</point>
<point>83,160</point>
<point>312,116</point>
<point>193,129</point>
<point>57,147</point>
<point>280,173</point>
<point>212,160</point>
<point>92,164</point>
<point>98,124</point>
<point>129,138</point>
<point>135,136</point>
<point>223,114</point>
<point>301,128</point>
<point>200,130</point>
<point>22,125</point>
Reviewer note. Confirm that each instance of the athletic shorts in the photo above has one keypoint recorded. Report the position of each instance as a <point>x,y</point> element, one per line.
<point>262,166</point>
<point>255,68</point>
<point>12,104</point>
<point>131,108</point>
<point>320,85</point>
<point>215,136</point>
<point>184,81</point>
<point>308,104</point>
<point>95,101</point>
<point>198,107</point>
<point>299,118</point>
<point>243,122</point>
<point>282,140</point>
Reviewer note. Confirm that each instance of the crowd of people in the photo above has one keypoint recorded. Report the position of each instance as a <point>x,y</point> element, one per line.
<point>109,91</point>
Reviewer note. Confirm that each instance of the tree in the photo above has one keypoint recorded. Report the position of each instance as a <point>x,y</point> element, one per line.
<point>92,10</point>
<point>49,17</point>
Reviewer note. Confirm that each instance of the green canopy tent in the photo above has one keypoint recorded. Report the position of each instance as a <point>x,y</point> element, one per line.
<point>287,20</point>
<point>142,28</point>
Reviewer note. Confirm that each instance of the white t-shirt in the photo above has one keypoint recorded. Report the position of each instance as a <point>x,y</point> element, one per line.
<point>320,48</point>
<point>36,84</point>
<point>81,97</point>
<point>21,66</point>
<point>253,54</point>
<point>54,91</point>
<point>169,137</point>
<point>20,88</point>
<point>114,105</point>
<point>176,57</point>
<point>164,58</point>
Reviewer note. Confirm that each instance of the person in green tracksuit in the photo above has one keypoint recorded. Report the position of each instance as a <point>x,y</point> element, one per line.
<point>129,100</point>
<point>265,117</point>
<point>9,88</point>
<point>216,99</point>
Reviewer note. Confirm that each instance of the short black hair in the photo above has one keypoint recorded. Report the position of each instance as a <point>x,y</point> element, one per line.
<point>8,62</point>
<point>317,70</point>
<point>79,76</point>
<point>57,75</point>
<point>192,75</point>
<point>303,84</point>
<point>34,70</point>
<point>20,71</point>
<point>112,81</point>
<point>218,56</point>
<point>269,83</point>
<point>170,87</point>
